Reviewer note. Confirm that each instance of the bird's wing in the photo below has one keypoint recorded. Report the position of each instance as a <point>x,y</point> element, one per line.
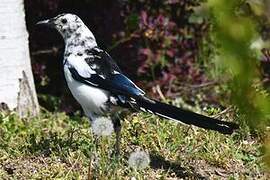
<point>101,62</point>
<point>99,69</point>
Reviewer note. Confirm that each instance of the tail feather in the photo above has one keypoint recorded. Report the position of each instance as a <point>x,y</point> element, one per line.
<point>187,117</point>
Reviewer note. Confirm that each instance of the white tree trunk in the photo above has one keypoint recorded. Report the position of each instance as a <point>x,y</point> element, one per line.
<point>17,89</point>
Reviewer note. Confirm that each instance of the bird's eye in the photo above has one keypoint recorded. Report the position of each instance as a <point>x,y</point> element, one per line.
<point>64,21</point>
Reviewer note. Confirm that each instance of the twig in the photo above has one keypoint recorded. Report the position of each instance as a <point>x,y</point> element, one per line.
<point>54,50</point>
<point>90,174</point>
<point>225,111</point>
<point>72,166</point>
<point>157,88</point>
<point>203,84</point>
<point>123,40</point>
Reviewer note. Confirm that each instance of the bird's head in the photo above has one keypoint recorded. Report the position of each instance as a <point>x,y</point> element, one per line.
<point>68,25</point>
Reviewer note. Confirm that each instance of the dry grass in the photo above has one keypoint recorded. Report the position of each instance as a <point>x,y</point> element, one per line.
<point>57,146</point>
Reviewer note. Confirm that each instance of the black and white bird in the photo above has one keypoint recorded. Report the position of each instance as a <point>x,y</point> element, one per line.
<point>99,85</point>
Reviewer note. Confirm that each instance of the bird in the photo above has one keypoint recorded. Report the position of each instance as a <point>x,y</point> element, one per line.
<point>101,88</point>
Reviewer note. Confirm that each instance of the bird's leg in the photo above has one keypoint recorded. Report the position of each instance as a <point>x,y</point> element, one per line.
<point>117,130</point>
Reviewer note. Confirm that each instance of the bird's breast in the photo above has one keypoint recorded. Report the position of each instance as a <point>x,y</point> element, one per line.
<point>93,100</point>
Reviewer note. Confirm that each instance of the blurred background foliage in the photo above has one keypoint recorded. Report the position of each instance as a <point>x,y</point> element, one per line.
<point>172,48</point>
<point>235,30</point>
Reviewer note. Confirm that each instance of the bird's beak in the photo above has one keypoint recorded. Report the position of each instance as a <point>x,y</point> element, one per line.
<point>48,22</point>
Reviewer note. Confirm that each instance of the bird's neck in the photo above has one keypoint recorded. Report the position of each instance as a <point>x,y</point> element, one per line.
<point>79,41</point>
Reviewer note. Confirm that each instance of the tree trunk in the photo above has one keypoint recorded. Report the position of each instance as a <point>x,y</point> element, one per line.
<point>17,89</point>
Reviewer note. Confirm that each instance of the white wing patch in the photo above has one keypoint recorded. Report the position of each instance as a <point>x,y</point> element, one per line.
<point>80,65</point>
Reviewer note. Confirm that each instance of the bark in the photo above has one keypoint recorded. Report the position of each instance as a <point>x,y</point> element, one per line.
<point>17,90</point>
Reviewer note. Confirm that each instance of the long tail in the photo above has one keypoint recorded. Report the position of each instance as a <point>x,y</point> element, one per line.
<point>187,117</point>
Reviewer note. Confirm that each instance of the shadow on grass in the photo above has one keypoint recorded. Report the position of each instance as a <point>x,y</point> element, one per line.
<point>58,145</point>
<point>158,162</point>
<point>49,144</point>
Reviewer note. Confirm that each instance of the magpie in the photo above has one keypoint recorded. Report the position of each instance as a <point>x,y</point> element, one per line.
<point>100,87</point>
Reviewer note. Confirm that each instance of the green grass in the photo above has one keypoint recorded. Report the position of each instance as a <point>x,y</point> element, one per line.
<point>57,146</point>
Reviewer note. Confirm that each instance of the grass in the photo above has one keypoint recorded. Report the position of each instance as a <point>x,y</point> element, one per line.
<point>55,145</point>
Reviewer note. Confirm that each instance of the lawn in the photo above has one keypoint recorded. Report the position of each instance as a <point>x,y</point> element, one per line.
<point>55,145</point>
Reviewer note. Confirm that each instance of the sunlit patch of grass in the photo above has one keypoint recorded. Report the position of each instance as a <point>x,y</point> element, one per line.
<point>58,146</point>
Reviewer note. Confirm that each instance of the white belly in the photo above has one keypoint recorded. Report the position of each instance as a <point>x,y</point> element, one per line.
<point>90,98</point>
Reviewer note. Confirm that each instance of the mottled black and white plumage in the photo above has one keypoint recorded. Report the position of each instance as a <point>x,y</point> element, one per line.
<point>99,86</point>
